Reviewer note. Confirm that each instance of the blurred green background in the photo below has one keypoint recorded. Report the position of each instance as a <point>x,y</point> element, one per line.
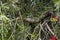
<point>13,12</point>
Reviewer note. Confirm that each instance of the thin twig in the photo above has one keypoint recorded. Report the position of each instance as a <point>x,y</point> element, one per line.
<point>50,29</point>
<point>2,28</point>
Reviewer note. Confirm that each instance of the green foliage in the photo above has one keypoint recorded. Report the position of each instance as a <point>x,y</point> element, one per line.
<point>13,12</point>
<point>55,1</point>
